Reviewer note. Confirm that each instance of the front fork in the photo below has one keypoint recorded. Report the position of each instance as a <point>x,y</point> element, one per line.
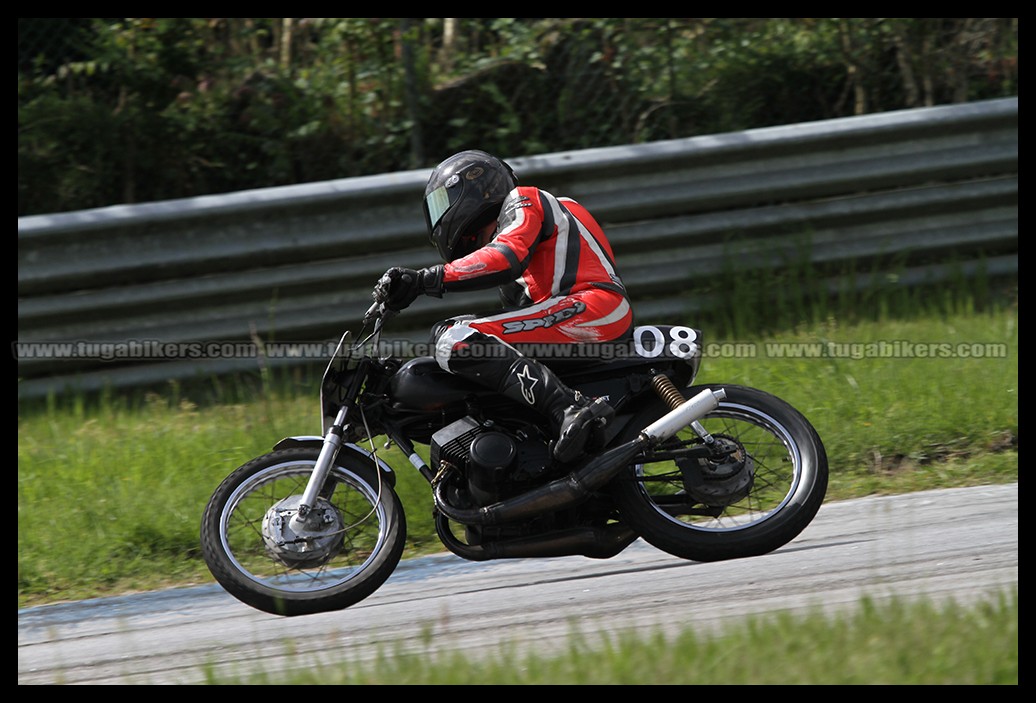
<point>328,453</point>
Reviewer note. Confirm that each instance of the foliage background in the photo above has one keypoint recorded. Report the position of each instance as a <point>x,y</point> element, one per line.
<point>126,110</point>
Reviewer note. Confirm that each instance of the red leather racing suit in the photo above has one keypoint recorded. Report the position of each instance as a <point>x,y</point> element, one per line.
<point>556,273</point>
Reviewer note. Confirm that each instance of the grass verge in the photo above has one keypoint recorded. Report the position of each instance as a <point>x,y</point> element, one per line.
<point>900,642</point>
<point>111,490</point>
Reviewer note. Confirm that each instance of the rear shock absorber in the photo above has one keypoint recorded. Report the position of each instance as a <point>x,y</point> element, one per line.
<point>667,391</point>
<point>672,396</point>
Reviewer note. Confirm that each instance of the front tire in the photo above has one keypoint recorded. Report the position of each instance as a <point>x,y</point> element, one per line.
<point>781,486</point>
<point>259,566</point>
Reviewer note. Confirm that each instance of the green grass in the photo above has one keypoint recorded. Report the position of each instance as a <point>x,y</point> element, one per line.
<point>900,642</point>
<point>111,489</point>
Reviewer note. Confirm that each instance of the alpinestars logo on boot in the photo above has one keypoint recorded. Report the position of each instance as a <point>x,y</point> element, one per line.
<point>528,382</point>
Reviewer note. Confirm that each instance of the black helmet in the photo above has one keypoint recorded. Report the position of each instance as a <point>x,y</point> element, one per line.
<point>464,193</point>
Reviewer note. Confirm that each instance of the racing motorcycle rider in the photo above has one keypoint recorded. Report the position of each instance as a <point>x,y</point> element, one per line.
<point>557,277</point>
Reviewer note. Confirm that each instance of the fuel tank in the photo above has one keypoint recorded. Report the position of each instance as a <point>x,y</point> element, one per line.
<point>421,386</point>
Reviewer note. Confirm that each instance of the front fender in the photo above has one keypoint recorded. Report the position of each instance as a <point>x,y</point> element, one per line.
<point>317,442</point>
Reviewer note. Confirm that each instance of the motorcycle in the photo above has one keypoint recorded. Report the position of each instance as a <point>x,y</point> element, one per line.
<point>704,473</point>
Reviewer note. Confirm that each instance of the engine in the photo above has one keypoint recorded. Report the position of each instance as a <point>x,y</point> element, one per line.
<point>496,462</point>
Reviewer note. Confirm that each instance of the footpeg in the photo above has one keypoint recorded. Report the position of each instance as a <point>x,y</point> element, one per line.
<point>576,429</point>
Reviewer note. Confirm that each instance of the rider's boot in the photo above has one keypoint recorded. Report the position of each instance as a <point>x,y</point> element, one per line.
<point>577,420</point>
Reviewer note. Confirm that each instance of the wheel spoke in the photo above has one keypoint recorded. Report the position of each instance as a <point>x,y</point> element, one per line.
<point>351,500</point>
<point>769,455</point>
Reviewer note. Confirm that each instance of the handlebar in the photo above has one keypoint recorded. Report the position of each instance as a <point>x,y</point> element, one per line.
<point>379,310</point>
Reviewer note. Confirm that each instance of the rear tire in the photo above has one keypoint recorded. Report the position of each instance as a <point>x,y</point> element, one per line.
<point>787,467</point>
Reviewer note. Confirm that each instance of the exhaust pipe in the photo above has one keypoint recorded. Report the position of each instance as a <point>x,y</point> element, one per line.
<point>578,485</point>
<point>691,411</point>
<point>593,542</point>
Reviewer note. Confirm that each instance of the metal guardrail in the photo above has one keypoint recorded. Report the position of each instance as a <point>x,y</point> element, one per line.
<point>936,188</point>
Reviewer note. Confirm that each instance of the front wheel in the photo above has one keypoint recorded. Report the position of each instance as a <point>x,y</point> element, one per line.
<point>352,542</point>
<point>760,486</point>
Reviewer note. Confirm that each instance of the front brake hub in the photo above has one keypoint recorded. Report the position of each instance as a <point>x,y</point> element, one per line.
<point>314,544</point>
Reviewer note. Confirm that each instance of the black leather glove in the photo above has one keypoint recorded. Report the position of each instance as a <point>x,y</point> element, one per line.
<point>399,287</point>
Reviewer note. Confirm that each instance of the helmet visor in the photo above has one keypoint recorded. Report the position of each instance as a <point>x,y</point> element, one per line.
<point>438,202</point>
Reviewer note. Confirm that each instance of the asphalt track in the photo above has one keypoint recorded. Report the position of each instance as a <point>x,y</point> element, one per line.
<point>957,544</point>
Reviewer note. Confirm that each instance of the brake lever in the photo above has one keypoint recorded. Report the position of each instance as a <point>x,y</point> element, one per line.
<point>374,311</point>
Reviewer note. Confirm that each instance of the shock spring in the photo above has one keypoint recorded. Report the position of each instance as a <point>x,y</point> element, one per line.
<point>667,391</point>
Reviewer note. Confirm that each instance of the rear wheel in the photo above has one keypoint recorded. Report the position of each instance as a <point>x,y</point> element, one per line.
<point>757,493</point>
<point>350,545</point>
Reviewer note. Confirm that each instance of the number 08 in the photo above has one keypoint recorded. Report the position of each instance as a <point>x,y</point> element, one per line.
<point>681,343</point>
